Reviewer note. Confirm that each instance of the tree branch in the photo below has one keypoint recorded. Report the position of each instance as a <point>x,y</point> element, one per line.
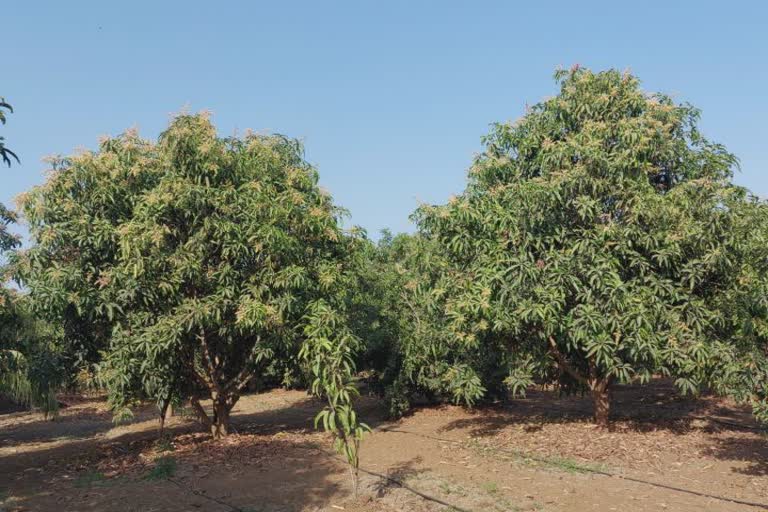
<point>239,381</point>
<point>562,363</point>
<point>214,380</point>
<point>202,416</point>
<point>203,378</point>
<point>597,382</point>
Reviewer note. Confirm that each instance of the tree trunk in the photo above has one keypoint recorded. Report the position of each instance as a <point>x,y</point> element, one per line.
<point>355,477</point>
<point>222,406</point>
<point>202,417</point>
<point>163,412</point>
<point>220,423</point>
<point>601,397</point>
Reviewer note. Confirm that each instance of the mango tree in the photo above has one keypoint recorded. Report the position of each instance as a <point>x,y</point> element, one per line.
<point>592,239</point>
<point>743,312</point>
<point>30,360</point>
<point>399,292</point>
<point>197,258</point>
<point>73,219</point>
<point>13,374</point>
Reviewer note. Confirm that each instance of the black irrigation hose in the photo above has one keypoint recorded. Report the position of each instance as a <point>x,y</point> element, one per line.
<point>372,473</point>
<point>402,484</point>
<point>203,495</point>
<point>732,423</point>
<point>601,473</point>
<point>433,499</point>
<point>695,493</point>
<point>415,491</point>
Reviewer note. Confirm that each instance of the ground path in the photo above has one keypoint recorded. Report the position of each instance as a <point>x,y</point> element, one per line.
<point>664,453</point>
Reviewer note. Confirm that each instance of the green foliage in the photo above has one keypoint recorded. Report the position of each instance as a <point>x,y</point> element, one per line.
<point>8,240</point>
<point>594,240</point>
<point>5,153</point>
<point>165,444</point>
<point>372,310</point>
<point>73,220</point>
<point>599,240</point>
<point>7,217</point>
<point>402,291</point>
<point>187,266</point>
<point>490,487</point>
<point>165,468</point>
<point>743,313</point>
<point>329,352</point>
<point>30,359</point>
<point>29,356</point>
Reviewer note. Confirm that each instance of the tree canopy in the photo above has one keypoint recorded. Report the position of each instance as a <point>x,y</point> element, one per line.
<point>198,260</point>
<point>594,240</point>
<point>7,217</point>
<point>30,355</point>
<point>600,240</point>
<point>5,153</point>
<point>403,289</point>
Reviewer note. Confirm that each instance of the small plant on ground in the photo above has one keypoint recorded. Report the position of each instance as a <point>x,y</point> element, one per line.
<point>490,487</point>
<point>165,444</point>
<point>165,468</point>
<point>529,459</point>
<point>90,478</point>
<point>329,352</point>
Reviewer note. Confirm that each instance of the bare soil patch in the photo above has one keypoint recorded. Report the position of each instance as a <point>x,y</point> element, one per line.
<point>541,453</point>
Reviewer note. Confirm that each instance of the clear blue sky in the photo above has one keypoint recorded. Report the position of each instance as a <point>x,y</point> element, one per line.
<point>390,98</point>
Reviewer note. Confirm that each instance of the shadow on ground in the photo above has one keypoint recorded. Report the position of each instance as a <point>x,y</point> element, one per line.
<point>655,413</point>
<point>275,461</point>
<point>753,451</point>
<point>653,407</point>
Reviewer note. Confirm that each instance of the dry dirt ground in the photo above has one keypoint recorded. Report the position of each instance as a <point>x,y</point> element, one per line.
<point>663,453</point>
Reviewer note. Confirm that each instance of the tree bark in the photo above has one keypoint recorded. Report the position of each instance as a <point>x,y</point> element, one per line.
<point>599,386</point>
<point>562,362</point>
<point>220,423</point>
<point>163,412</point>
<point>601,398</point>
<point>202,417</point>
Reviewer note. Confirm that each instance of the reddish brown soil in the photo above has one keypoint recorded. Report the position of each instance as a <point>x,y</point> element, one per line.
<point>542,453</point>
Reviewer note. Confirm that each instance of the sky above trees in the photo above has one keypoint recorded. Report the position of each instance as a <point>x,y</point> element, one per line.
<point>389,98</point>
